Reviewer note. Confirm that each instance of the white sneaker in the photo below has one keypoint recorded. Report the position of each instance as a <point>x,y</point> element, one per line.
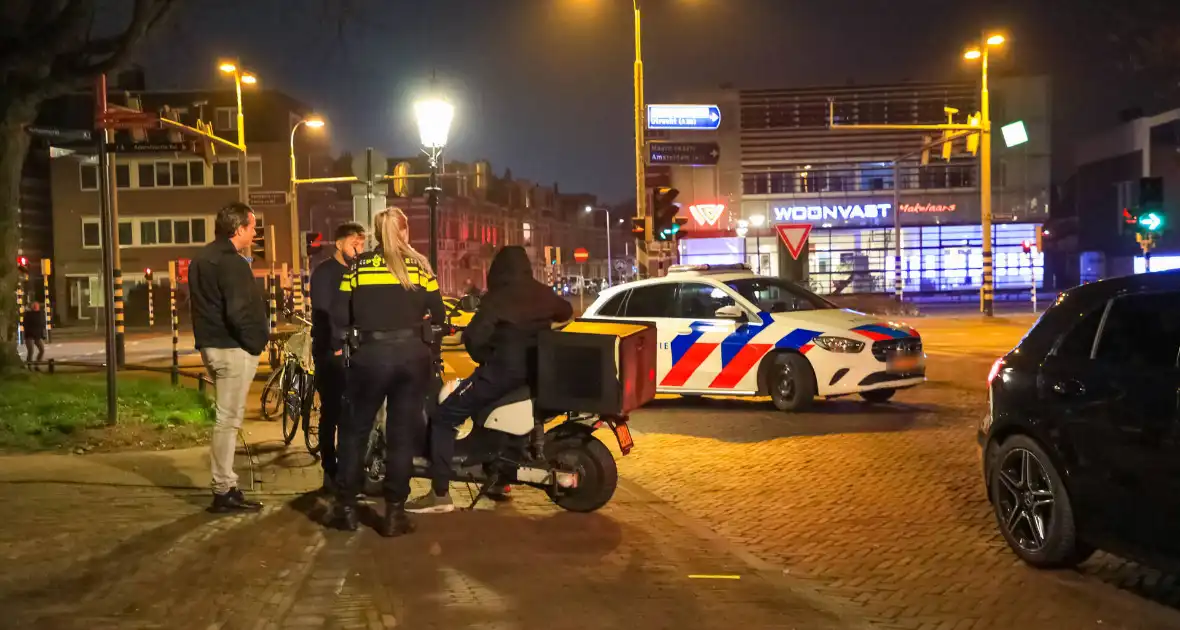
<point>431,503</point>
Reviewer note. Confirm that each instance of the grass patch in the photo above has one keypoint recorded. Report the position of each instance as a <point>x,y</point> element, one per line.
<point>40,411</point>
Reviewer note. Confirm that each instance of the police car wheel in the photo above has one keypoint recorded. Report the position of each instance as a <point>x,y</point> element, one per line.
<point>878,395</point>
<point>791,383</point>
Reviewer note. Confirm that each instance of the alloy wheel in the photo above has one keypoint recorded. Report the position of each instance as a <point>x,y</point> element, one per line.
<point>1027,500</point>
<point>785,387</point>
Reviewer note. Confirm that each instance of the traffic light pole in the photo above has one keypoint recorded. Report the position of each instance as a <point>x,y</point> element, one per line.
<point>643,242</point>
<point>985,191</point>
<point>105,183</point>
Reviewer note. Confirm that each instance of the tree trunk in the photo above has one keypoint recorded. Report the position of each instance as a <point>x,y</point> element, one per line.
<point>15,115</point>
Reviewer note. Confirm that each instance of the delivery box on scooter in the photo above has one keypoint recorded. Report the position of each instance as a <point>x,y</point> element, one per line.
<point>607,368</point>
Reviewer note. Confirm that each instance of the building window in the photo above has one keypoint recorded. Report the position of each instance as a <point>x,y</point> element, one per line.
<point>147,174</point>
<point>196,173</point>
<point>226,173</point>
<point>125,233</point>
<point>89,176</point>
<point>226,119</point>
<point>123,175</point>
<point>148,232</point>
<point>91,238</point>
<point>179,173</point>
<point>163,174</point>
<point>528,234</point>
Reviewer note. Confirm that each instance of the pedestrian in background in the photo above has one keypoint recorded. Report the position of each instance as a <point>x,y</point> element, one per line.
<point>34,325</point>
<point>327,342</point>
<point>390,296</point>
<point>231,330</point>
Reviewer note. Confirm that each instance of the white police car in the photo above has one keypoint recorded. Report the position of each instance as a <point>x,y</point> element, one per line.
<point>724,330</point>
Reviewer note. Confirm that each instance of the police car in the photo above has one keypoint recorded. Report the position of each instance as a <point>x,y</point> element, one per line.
<point>725,331</point>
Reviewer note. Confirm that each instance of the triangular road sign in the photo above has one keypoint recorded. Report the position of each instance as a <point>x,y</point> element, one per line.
<point>794,235</point>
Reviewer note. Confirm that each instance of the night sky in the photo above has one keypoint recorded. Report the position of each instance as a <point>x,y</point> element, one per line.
<point>544,86</point>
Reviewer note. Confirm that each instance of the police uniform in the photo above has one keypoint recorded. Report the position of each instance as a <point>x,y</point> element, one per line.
<point>392,364</point>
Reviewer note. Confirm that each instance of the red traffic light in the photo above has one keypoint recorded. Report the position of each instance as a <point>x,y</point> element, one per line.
<point>22,261</point>
<point>1026,246</point>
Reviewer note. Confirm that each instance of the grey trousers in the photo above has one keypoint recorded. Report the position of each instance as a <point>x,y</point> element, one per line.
<point>232,371</point>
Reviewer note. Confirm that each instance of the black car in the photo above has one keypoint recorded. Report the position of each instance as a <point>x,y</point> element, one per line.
<point>1081,441</point>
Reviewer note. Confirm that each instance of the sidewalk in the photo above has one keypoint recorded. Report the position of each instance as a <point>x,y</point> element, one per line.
<point>123,541</point>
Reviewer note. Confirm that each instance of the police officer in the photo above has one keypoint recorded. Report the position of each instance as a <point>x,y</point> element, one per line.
<point>390,297</point>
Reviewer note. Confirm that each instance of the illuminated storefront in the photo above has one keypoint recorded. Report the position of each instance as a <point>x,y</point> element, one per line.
<point>850,248</point>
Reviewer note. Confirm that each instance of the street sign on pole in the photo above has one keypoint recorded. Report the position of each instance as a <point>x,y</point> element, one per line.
<point>371,163</point>
<point>794,235</point>
<point>268,198</point>
<point>581,255</point>
<point>63,135</point>
<point>683,153</point>
<point>683,117</point>
<point>147,147</point>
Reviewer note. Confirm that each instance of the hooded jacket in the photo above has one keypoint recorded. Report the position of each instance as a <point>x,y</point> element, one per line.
<point>513,312</point>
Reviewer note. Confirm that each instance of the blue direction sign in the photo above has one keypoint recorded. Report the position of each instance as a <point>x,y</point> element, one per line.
<point>683,116</point>
<point>683,153</point>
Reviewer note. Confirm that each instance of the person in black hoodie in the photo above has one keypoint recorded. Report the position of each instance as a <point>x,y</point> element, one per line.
<point>502,339</point>
<point>34,324</point>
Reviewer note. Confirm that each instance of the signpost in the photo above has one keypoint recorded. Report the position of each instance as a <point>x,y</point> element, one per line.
<point>794,235</point>
<point>268,198</point>
<point>148,147</point>
<point>684,153</point>
<point>581,255</point>
<point>368,167</point>
<point>707,117</point>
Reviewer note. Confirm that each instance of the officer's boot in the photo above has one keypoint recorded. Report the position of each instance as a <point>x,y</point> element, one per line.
<point>396,522</point>
<point>345,516</point>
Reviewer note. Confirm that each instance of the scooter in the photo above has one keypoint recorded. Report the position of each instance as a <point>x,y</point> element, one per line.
<point>508,443</point>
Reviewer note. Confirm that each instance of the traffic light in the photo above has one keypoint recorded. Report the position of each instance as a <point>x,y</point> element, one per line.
<point>552,255</point>
<point>947,147</point>
<point>1151,222</point>
<point>1026,245</point>
<point>1040,238</point>
<point>313,242</point>
<point>975,120</point>
<point>1150,219</point>
<point>258,247</point>
<point>663,212</point>
<point>638,226</point>
<point>22,264</point>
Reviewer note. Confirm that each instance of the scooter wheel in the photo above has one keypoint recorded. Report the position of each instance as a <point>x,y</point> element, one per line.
<point>597,474</point>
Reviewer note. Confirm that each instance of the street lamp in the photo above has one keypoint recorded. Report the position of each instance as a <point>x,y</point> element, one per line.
<point>987,291</point>
<point>314,122</point>
<point>434,123</point>
<point>606,222</point>
<point>240,76</point>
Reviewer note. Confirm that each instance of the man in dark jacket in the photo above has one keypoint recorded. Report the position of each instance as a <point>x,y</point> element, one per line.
<point>326,342</point>
<point>502,338</point>
<point>231,331</point>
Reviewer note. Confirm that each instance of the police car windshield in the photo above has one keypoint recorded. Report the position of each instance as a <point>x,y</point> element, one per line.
<point>773,295</point>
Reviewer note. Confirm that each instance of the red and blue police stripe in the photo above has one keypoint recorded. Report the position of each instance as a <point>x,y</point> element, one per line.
<point>739,354</point>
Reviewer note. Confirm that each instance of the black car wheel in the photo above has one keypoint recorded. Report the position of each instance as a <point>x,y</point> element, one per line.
<point>791,383</point>
<point>1032,506</point>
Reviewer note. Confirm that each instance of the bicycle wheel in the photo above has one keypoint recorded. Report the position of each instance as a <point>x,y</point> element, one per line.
<point>292,403</point>
<point>311,418</point>
<point>272,395</point>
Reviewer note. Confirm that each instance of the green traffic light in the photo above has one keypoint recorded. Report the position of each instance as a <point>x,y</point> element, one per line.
<point>1151,221</point>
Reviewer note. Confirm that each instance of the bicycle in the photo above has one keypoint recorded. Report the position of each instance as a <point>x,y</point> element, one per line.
<point>291,388</point>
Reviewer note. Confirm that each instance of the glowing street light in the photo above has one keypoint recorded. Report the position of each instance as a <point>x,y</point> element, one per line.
<point>249,78</point>
<point>434,124</point>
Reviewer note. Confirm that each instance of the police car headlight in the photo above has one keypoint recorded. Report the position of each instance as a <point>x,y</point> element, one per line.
<point>839,344</point>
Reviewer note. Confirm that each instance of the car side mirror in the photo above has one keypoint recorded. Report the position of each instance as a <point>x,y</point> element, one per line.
<point>469,303</point>
<point>731,311</point>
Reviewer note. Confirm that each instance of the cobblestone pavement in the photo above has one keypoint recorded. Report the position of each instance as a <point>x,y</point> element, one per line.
<point>95,557</point>
<point>881,507</point>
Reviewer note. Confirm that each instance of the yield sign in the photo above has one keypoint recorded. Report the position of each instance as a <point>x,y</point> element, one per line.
<point>795,236</point>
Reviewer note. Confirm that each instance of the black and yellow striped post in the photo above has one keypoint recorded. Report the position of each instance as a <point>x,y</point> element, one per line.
<point>274,313</point>
<point>20,310</point>
<point>174,320</point>
<point>147,274</point>
<point>46,270</point>
<point>120,329</point>
<point>282,292</point>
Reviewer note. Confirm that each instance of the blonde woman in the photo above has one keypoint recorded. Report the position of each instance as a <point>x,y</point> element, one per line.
<point>390,297</point>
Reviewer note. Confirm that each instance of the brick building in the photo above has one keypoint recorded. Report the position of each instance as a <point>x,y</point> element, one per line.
<point>167,200</point>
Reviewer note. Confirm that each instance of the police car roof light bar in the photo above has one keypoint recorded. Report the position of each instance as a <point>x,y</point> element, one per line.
<point>712,267</point>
